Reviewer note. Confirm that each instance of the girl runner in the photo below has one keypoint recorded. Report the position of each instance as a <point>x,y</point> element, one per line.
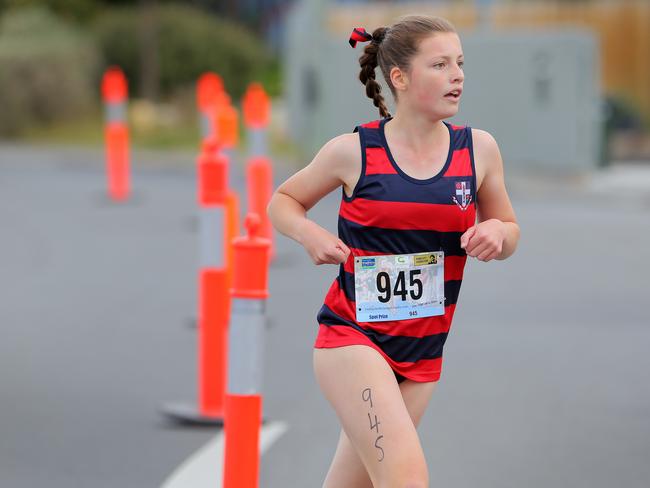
<point>413,186</point>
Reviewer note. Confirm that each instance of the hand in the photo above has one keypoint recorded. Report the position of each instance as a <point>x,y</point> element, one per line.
<point>484,241</point>
<point>322,246</point>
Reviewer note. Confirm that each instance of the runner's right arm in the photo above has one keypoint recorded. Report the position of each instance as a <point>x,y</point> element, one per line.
<point>289,204</point>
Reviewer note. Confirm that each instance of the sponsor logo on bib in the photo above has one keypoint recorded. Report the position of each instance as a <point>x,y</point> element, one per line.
<point>424,260</point>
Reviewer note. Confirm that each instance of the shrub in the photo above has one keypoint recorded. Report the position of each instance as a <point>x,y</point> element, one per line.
<point>46,70</point>
<point>190,42</point>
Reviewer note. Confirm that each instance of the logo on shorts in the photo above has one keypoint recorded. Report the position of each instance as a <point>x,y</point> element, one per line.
<point>463,193</point>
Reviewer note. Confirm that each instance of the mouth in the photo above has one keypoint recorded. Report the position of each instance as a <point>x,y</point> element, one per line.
<point>454,94</point>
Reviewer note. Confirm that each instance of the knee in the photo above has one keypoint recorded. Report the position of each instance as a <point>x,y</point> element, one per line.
<point>411,471</point>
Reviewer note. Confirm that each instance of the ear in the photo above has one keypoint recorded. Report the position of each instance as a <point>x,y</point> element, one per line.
<point>399,79</point>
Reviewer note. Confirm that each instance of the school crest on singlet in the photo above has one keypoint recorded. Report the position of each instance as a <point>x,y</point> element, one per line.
<point>463,195</point>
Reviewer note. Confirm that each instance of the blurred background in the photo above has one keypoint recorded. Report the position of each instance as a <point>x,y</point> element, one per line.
<point>544,378</point>
<point>54,52</point>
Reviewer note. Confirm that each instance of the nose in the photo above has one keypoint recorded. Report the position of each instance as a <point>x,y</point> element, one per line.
<point>458,75</point>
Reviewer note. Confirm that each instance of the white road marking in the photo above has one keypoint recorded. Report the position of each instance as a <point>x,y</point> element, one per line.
<point>204,468</point>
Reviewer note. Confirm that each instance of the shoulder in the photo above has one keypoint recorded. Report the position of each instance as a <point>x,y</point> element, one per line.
<point>487,157</point>
<point>340,151</point>
<point>329,169</point>
<point>343,145</point>
<point>341,158</point>
<point>484,142</point>
<point>343,151</point>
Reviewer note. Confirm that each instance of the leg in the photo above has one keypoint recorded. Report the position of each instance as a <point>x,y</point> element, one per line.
<point>361,387</point>
<point>347,470</point>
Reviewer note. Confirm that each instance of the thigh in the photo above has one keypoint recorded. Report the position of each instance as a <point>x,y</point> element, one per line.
<point>346,469</point>
<point>416,397</point>
<point>361,387</point>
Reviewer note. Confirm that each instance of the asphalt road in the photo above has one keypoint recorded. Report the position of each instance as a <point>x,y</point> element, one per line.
<point>544,379</point>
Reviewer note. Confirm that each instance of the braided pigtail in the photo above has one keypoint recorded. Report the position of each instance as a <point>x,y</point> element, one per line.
<point>368,62</point>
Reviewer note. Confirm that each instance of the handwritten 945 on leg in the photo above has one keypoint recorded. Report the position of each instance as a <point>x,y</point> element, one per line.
<point>366,395</point>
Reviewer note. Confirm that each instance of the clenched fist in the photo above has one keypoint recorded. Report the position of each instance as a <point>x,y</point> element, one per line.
<point>484,241</point>
<point>322,246</point>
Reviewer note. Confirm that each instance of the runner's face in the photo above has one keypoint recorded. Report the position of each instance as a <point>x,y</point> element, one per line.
<point>436,70</point>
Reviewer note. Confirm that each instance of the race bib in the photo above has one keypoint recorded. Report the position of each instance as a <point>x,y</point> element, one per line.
<point>399,286</point>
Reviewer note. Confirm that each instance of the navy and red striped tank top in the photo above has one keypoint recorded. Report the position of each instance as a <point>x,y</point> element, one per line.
<point>391,212</point>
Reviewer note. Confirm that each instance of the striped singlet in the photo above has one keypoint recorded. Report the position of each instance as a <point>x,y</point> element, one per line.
<point>391,212</point>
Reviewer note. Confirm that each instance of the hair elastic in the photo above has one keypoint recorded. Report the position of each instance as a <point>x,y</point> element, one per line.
<point>359,34</point>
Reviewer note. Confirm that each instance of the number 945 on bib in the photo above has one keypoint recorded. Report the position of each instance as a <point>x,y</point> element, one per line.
<point>399,286</point>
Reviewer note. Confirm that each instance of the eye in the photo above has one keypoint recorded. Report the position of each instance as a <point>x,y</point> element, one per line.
<point>438,64</point>
<point>461,63</point>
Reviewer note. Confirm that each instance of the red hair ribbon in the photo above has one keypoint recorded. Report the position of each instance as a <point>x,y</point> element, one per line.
<point>359,34</point>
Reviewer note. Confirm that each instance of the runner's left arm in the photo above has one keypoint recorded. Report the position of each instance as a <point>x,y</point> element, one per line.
<point>495,213</point>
